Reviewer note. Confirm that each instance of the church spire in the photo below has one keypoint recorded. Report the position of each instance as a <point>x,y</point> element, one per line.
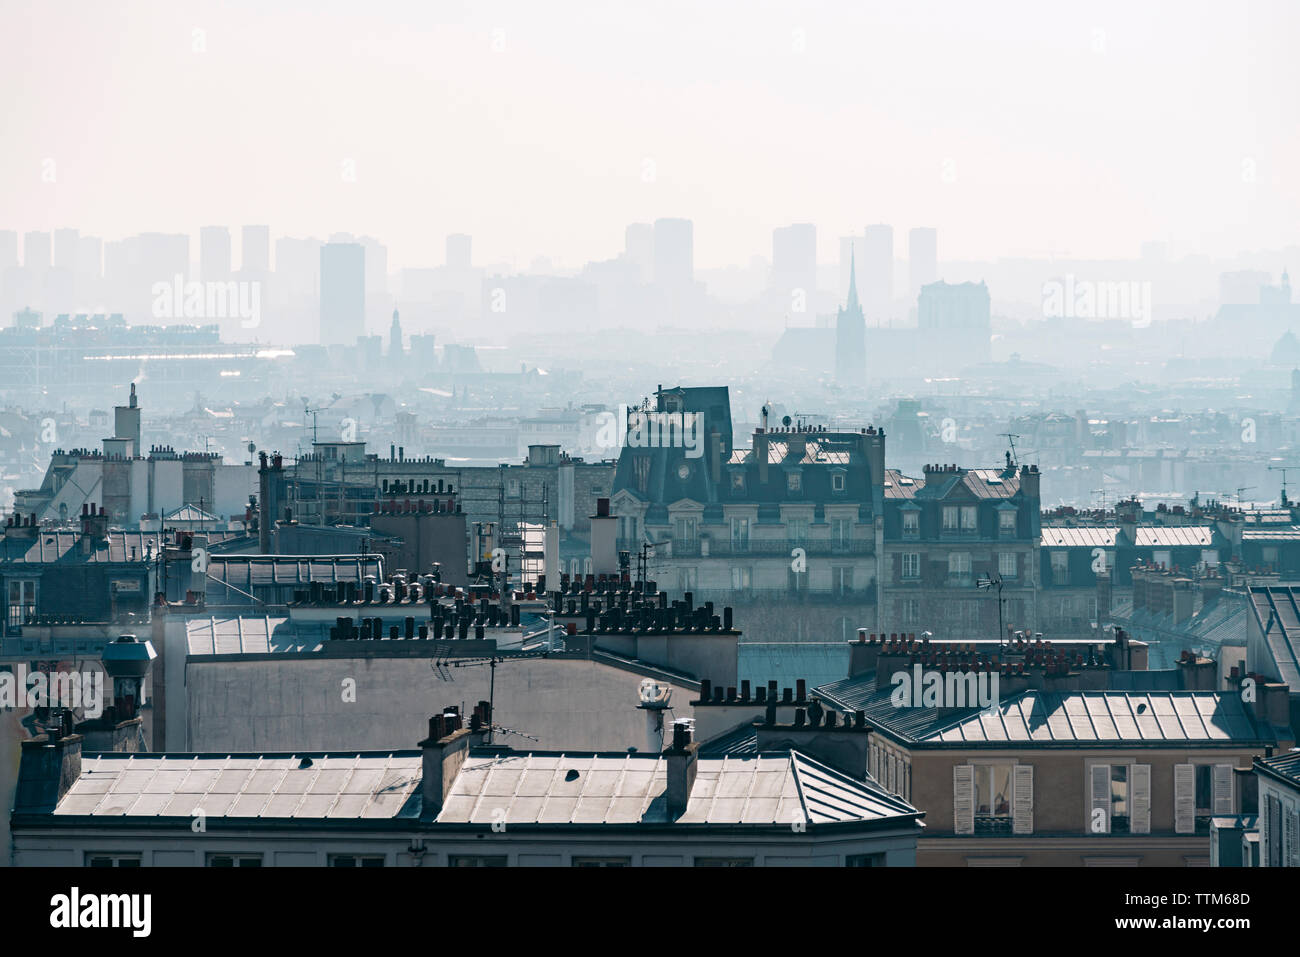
<point>852,304</point>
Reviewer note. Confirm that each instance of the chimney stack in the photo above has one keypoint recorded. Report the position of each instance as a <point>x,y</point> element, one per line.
<point>683,763</point>
<point>444,750</point>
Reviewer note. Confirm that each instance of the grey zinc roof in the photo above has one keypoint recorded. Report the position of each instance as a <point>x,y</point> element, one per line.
<point>765,788</point>
<point>1174,536</point>
<point>1106,718</point>
<point>350,785</point>
<point>1078,536</point>
<point>244,571</point>
<point>63,545</point>
<point>1037,718</point>
<point>1278,614</point>
<point>1285,766</point>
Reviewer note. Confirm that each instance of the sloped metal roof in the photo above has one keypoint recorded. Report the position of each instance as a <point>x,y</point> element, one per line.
<point>1174,536</point>
<point>1111,718</point>
<point>357,785</point>
<point>63,545</point>
<point>764,788</point>
<point>1285,766</point>
<point>1037,718</point>
<point>1078,536</point>
<point>1277,611</point>
<point>244,571</point>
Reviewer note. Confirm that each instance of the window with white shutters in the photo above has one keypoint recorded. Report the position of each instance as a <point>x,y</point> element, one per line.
<point>1184,798</point>
<point>1140,784</point>
<point>1023,799</point>
<point>1270,831</point>
<point>963,799</point>
<point>1099,799</point>
<point>1292,857</point>
<point>1223,789</point>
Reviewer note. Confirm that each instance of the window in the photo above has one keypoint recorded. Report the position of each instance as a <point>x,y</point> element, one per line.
<point>742,578</point>
<point>797,529</point>
<point>798,581</point>
<point>910,610</point>
<point>969,518</point>
<point>864,860</point>
<point>837,481</point>
<point>724,862</point>
<point>738,482</point>
<point>1162,559</point>
<point>234,860</point>
<point>911,565</point>
<point>1201,791</point>
<point>1007,564</point>
<point>1119,800</point>
<point>993,797</point>
<point>793,482</point>
<point>1268,555</point>
<point>355,860</point>
<point>112,860</point>
<point>1007,521</point>
<point>740,534</point>
<point>992,792</point>
<point>911,524</point>
<point>1210,557</point>
<point>687,578</point>
<point>22,601</point>
<point>1060,568</point>
<point>686,531</point>
<point>959,566</point>
<point>602,862</point>
<point>950,518</point>
<point>842,579</point>
<point>476,861</point>
<point>841,533</point>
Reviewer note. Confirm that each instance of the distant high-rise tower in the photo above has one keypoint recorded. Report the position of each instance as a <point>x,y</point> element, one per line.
<point>851,335</point>
<point>639,249</point>
<point>342,293</point>
<point>36,251</point>
<point>794,266</point>
<point>674,253</point>
<point>922,260</point>
<point>458,251</point>
<point>214,253</point>
<point>878,272</point>
<point>255,249</point>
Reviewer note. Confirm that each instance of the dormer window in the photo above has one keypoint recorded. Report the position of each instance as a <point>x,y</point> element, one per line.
<point>793,482</point>
<point>738,482</point>
<point>837,482</point>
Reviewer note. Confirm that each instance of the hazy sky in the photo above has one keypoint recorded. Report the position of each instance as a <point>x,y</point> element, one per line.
<point>543,128</point>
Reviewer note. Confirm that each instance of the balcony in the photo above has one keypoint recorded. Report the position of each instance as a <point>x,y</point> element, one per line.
<point>783,547</point>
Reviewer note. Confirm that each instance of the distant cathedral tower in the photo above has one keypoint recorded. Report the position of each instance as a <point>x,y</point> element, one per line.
<point>395,337</point>
<point>851,335</point>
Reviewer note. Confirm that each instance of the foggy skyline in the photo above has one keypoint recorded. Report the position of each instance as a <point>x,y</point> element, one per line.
<point>1032,133</point>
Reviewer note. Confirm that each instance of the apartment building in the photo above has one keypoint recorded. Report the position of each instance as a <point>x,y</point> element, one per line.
<point>961,549</point>
<point>1083,758</point>
<point>788,530</point>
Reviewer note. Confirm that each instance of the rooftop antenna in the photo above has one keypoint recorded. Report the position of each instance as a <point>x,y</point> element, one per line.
<point>1011,440</point>
<point>988,584</point>
<point>1284,469</point>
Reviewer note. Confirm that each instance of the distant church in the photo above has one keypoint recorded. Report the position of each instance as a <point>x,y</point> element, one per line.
<point>851,336</point>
